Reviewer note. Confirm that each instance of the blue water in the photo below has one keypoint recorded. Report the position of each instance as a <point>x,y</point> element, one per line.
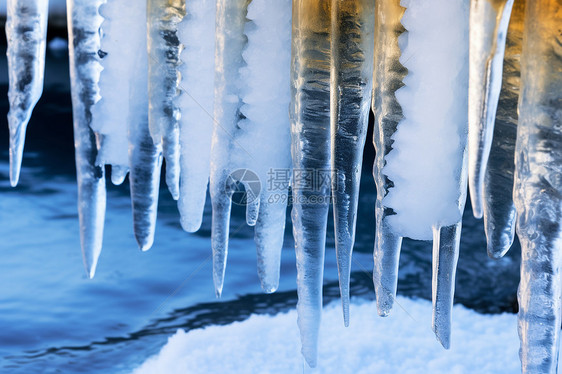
<point>54,320</point>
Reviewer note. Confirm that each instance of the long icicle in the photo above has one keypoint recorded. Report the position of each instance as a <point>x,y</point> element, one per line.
<point>388,76</point>
<point>230,42</point>
<point>265,108</point>
<point>197,34</point>
<point>428,193</point>
<point>145,158</point>
<point>26,34</point>
<point>488,28</point>
<point>310,131</point>
<point>351,88</point>
<point>84,41</point>
<point>164,49</point>
<point>538,187</point>
<point>499,209</point>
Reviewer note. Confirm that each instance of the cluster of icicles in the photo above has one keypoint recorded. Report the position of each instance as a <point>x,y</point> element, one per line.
<point>222,88</point>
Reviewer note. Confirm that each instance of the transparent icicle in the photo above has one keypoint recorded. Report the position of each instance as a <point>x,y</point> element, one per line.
<point>499,210</point>
<point>164,49</point>
<point>197,34</point>
<point>427,160</point>
<point>26,34</point>
<point>118,53</point>
<point>446,241</point>
<point>145,158</point>
<point>230,42</point>
<point>538,187</point>
<point>388,76</point>
<point>488,24</point>
<point>351,87</point>
<point>84,42</point>
<point>310,131</point>
<point>146,161</point>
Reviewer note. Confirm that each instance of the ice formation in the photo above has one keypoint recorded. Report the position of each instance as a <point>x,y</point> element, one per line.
<point>488,28</point>
<point>84,24</point>
<point>423,197</point>
<point>266,98</point>
<point>197,34</point>
<point>164,49</point>
<point>498,207</point>
<point>26,33</point>
<point>310,132</point>
<point>387,79</point>
<point>227,96</point>
<point>251,128</point>
<point>350,90</point>
<point>145,157</point>
<point>109,115</point>
<point>538,187</point>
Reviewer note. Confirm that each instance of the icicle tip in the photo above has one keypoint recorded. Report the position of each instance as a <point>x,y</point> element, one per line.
<point>269,287</point>
<point>443,336</point>
<point>190,224</point>
<point>144,243</point>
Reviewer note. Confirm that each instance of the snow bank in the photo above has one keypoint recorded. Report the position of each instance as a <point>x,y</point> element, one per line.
<point>400,343</point>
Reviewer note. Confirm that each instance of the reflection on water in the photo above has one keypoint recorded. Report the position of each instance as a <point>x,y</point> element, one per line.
<point>52,319</point>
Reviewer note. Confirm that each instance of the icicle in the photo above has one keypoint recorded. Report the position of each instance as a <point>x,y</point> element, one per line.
<point>119,53</point>
<point>84,42</point>
<point>538,187</point>
<point>164,49</point>
<point>145,158</point>
<point>446,241</point>
<point>488,27</point>
<point>310,131</point>
<point>388,76</point>
<point>197,34</point>
<point>230,42</point>
<point>425,169</point>
<point>499,210</point>
<point>26,34</point>
<point>146,161</point>
<point>265,131</point>
<point>251,139</point>
<point>351,87</point>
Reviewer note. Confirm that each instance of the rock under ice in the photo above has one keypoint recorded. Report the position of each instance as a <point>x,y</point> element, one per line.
<point>244,92</point>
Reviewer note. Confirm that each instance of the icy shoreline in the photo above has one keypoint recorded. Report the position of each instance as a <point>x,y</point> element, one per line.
<point>400,343</point>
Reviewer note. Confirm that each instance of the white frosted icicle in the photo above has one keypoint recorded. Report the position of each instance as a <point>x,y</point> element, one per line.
<point>84,42</point>
<point>388,76</point>
<point>351,87</point>
<point>499,209</point>
<point>251,138</point>
<point>310,132</point>
<point>265,132</point>
<point>145,158</point>
<point>164,49</point>
<point>26,34</point>
<point>119,52</point>
<point>538,187</point>
<point>197,34</point>
<point>427,163</point>
<point>488,24</point>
